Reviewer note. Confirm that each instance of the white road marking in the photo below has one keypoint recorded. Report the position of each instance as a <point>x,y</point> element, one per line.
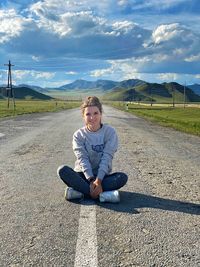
<point>1,135</point>
<point>86,246</point>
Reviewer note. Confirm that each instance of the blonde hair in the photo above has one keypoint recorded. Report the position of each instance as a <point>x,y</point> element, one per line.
<point>91,101</point>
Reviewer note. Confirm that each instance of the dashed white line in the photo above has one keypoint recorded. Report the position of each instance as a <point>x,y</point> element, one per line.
<point>86,247</point>
<point>1,135</point>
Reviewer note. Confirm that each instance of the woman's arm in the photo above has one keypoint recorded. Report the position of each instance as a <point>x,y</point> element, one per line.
<point>110,147</point>
<point>82,155</point>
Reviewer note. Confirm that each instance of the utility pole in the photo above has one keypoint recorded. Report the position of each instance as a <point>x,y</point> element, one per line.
<point>9,88</point>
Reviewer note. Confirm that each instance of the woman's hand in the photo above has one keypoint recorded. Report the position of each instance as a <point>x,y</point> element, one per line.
<point>95,188</point>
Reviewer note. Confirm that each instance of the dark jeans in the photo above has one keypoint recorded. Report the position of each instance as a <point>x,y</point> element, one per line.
<point>78,181</point>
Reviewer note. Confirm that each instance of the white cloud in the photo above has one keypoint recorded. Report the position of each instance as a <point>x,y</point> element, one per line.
<point>157,5</point>
<point>35,58</point>
<point>22,74</point>
<point>168,76</point>
<point>58,18</point>
<point>122,2</point>
<point>71,72</point>
<point>119,68</point>
<point>179,51</point>
<point>82,34</point>
<point>101,72</point>
<point>123,26</point>
<point>43,75</point>
<point>11,25</point>
<point>176,42</point>
<point>59,6</point>
<point>193,58</point>
<point>64,18</point>
<point>166,32</point>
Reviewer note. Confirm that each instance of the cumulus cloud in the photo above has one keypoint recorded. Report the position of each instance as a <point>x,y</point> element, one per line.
<point>11,25</point>
<point>102,72</point>
<point>174,40</point>
<point>123,69</point>
<point>81,34</point>
<point>47,7</point>
<point>79,23</point>
<point>166,32</point>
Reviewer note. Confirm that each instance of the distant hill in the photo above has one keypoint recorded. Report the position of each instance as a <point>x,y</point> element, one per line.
<point>121,94</point>
<point>34,87</point>
<point>25,93</point>
<point>153,92</point>
<point>83,84</point>
<point>130,83</point>
<point>195,88</point>
<point>179,92</point>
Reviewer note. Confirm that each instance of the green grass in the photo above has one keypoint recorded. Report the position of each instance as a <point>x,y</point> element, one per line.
<point>31,106</point>
<point>182,119</point>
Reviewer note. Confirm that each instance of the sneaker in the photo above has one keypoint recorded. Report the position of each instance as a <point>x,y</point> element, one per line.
<point>110,196</point>
<point>71,193</point>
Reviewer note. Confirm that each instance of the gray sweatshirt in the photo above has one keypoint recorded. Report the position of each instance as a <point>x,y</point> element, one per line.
<point>94,151</point>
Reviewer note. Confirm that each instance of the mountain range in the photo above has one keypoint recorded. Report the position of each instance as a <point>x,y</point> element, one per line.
<point>83,84</point>
<point>102,85</point>
<point>128,90</point>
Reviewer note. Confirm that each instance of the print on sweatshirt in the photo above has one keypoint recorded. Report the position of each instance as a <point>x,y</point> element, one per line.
<point>98,148</point>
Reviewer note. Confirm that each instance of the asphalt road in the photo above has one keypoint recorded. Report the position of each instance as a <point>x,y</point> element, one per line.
<point>156,224</point>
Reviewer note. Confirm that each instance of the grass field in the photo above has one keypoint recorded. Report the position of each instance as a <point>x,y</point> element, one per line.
<point>30,106</point>
<point>183,119</point>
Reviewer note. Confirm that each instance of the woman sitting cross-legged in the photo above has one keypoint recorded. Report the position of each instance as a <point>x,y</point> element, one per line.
<point>94,146</point>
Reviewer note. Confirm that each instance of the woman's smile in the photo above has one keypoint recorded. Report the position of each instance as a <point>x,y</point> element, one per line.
<point>92,118</point>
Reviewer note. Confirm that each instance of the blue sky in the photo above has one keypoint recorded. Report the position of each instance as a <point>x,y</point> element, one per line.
<point>54,42</point>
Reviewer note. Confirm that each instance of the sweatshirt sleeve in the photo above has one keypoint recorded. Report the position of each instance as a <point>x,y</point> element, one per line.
<point>110,147</point>
<point>82,155</point>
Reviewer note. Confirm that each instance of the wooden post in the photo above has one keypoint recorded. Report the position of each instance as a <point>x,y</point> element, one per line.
<point>9,88</point>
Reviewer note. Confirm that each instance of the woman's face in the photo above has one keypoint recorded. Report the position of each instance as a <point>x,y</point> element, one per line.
<point>92,118</point>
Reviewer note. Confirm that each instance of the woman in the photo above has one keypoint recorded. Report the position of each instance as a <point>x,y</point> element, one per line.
<point>94,146</point>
